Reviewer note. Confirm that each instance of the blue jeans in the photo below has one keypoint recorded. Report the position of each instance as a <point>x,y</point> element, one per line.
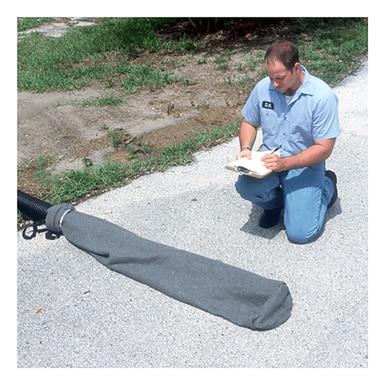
<point>304,194</point>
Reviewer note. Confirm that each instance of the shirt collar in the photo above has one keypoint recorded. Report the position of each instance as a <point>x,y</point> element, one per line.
<point>305,88</point>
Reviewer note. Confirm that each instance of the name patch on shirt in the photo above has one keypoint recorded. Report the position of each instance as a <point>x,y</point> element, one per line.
<point>267,105</point>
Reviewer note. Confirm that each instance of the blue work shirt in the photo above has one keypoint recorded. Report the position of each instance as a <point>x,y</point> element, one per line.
<point>311,114</point>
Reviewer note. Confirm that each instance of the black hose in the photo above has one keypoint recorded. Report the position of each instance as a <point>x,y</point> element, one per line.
<point>32,207</point>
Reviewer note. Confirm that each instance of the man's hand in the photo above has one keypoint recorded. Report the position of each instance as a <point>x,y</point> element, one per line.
<point>244,153</point>
<point>274,162</point>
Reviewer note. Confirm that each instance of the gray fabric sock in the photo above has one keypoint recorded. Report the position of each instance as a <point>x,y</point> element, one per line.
<point>242,297</point>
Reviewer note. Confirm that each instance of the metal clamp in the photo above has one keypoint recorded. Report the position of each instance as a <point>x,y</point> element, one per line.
<point>30,231</point>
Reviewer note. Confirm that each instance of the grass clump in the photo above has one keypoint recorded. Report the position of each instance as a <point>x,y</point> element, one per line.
<point>145,76</point>
<point>26,23</point>
<point>102,101</point>
<point>117,136</point>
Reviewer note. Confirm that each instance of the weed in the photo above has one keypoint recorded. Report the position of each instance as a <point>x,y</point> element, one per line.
<point>102,101</point>
<point>43,161</point>
<point>117,137</point>
<point>222,60</point>
<point>41,174</point>
<point>140,76</point>
<point>253,60</point>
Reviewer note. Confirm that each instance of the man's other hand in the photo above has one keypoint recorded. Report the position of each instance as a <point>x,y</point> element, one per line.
<point>244,153</point>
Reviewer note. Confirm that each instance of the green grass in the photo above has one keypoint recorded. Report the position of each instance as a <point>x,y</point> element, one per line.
<point>334,47</point>
<point>117,137</point>
<point>102,101</point>
<point>222,60</point>
<point>146,76</point>
<point>253,60</point>
<point>72,185</point>
<point>82,55</point>
<point>329,48</point>
<point>25,23</point>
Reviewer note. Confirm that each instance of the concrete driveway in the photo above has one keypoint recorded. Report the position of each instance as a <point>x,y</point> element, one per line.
<point>73,312</point>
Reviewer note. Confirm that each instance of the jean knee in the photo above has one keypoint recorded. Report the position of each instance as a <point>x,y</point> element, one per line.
<point>302,235</point>
<point>243,187</point>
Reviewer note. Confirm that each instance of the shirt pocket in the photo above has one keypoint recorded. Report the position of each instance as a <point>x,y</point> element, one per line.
<point>270,121</point>
<point>300,120</point>
<point>301,124</point>
<point>300,133</point>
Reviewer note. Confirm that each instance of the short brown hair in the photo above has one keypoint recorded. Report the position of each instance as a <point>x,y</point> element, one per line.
<point>284,51</point>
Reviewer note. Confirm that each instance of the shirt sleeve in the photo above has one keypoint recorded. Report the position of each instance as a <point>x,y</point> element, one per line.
<point>251,109</point>
<point>325,122</point>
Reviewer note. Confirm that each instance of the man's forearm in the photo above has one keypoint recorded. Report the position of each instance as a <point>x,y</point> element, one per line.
<point>308,157</point>
<point>247,135</point>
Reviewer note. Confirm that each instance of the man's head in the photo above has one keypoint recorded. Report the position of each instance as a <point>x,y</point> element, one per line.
<point>283,67</point>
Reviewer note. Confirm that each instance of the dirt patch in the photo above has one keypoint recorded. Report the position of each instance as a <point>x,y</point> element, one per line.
<point>59,126</point>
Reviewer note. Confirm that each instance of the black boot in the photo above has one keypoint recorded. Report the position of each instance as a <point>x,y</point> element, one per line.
<point>270,217</point>
<point>332,176</point>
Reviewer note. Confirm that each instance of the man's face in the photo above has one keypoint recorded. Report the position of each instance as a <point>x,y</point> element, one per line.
<point>285,81</point>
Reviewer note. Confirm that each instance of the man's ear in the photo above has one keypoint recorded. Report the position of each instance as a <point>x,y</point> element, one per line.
<point>297,66</point>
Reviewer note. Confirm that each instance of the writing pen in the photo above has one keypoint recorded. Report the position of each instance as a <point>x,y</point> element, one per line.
<point>275,149</point>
